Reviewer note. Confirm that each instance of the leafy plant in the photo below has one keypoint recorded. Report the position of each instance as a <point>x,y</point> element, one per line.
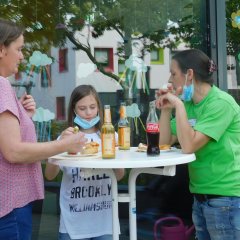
<point>233,33</point>
<point>57,127</point>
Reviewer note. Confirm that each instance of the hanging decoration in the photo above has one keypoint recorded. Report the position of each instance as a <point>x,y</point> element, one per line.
<point>134,112</point>
<point>134,74</point>
<point>60,25</point>
<point>39,65</point>
<point>236,19</point>
<point>37,25</point>
<point>42,120</point>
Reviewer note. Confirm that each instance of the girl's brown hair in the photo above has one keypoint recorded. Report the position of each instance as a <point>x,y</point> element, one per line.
<point>78,93</point>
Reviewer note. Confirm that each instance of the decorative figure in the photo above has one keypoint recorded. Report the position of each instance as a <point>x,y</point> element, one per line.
<point>39,64</point>
<point>135,72</point>
<point>134,112</point>
<point>42,119</point>
<point>236,19</point>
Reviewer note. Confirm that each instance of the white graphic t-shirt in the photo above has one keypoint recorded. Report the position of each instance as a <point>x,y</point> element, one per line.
<point>86,203</point>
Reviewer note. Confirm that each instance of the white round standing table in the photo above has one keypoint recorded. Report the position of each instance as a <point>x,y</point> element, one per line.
<point>139,163</point>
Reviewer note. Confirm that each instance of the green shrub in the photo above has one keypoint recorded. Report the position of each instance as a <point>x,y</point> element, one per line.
<point>57,128</point>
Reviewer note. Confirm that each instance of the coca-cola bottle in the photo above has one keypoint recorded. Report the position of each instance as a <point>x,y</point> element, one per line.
<point>152,130</point>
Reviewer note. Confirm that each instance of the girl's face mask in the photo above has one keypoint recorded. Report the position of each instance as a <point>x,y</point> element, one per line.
<point>188,91</point>
<point>84,123</point>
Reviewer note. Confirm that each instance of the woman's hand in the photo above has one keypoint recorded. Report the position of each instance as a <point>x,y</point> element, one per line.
<point>163,90</point>
<point>29,104</point>
<point>167,98</point>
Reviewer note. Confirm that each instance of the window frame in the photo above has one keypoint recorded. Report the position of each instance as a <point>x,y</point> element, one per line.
<point>109,64</point>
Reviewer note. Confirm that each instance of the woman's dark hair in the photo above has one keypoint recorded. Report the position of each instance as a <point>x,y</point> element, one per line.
<point>9,32</point>
<point>78,93</point>
<point>198,61</point>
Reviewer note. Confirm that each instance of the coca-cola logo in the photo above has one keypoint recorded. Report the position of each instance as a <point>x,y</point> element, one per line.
<point>152,127</point>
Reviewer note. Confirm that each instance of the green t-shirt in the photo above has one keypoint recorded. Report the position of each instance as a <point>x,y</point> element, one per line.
<point>216,169</point>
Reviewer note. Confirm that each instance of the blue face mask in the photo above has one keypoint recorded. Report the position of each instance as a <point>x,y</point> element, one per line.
<point>188,92</point>
<point>86,124</point>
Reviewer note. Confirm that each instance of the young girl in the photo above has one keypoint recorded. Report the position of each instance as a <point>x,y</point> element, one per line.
<point>86,209</point>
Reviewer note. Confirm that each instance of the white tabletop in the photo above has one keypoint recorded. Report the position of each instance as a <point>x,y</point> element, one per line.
<point>125,159</point>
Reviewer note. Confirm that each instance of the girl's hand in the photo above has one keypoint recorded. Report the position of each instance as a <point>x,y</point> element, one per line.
<point>76,141</point>
<point>28,103</point>
<point>67,132</point>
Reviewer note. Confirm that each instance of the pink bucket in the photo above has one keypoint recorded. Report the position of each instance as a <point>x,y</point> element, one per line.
<point>171,228</point>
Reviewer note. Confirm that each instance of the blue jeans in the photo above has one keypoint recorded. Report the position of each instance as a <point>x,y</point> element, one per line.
<point>217,218</point>
<point>17,225</point>
<point>65,236</point>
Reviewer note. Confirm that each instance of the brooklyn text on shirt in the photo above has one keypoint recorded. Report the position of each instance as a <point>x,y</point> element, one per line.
<point>76,176</point>
<point>90,191</point>
<point>90,207</point>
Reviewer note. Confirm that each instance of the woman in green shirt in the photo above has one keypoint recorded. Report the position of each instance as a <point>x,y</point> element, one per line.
<point>207,123</point>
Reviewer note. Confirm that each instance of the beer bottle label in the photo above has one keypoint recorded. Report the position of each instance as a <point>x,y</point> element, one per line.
<point>123,112</point>
<point>108,145</point>
<point>124,136</point>
<point>152,127</point>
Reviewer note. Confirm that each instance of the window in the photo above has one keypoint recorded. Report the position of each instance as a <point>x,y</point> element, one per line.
<point>60,108</point>
<point>105,57</point>
<point>63,60</point>
<point>157,56</point>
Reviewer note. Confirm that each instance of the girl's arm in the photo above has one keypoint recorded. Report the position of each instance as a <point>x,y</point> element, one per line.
<point>119,173</point>
<point>51,171</point>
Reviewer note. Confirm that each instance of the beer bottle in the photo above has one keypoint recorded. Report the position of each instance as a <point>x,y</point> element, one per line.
<point>123,129</point>
<point>108,135</point>
<point>152,130</point>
